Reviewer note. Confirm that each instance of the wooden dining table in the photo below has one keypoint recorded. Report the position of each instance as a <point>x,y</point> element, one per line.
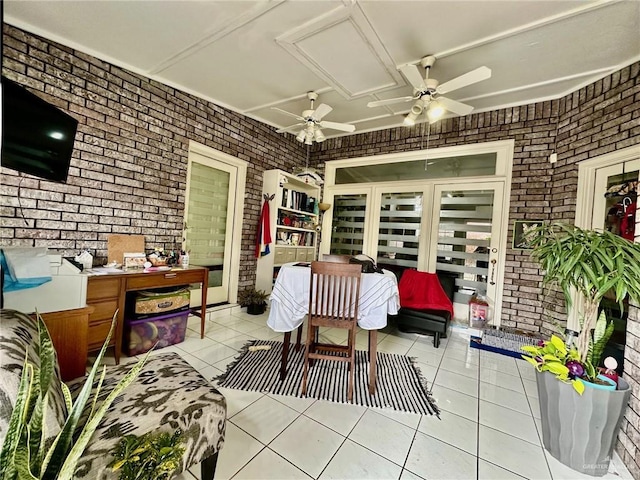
<point>379,297</point>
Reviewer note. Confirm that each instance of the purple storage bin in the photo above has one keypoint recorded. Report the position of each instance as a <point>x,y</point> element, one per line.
<point>164,330</point>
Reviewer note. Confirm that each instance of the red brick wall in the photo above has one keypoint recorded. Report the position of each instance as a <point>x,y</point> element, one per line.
<point>128,170</point>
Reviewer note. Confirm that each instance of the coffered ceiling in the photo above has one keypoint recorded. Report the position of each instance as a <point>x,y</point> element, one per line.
<point>250,56</point>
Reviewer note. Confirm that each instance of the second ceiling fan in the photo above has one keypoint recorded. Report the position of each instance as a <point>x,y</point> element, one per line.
<point>427,91</point>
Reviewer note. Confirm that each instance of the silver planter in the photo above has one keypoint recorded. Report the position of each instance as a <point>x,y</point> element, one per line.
<point>580,430</point>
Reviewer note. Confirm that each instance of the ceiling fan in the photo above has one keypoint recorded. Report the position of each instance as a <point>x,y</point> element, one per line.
<point>311,121</point>
<point>427,91</point>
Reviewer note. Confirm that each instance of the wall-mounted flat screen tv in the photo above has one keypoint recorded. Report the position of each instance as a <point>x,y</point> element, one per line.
<point>37,137</point>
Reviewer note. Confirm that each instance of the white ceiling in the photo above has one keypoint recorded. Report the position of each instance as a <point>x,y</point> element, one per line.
<point>250,56</point>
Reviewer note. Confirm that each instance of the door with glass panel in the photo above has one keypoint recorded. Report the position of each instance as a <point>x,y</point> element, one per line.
<point>209,222</point>
<point>466,242</point>
<point>345,223</point>
<point>400,223</point>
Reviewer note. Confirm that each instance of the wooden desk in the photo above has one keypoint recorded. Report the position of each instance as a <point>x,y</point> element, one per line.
<point>107,294</point>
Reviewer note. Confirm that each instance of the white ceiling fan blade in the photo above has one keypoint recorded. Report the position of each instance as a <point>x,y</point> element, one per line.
<point>477,75</point>
<point>413,76</point>
<point>321,111</point>
<point>389,101</point>
<point>298,117</point>
<point>286,129</point>
<point>453,106</point>
<point>345,127</point>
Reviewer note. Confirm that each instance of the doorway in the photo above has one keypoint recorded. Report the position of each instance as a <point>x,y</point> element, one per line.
<point>213,220</point>
<point>444,210</point>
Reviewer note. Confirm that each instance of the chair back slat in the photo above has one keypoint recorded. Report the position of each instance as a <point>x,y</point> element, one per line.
<point>334,291</point>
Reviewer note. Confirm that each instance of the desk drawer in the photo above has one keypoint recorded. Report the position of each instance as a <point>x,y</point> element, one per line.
<point>97,334</point>
<point>167,279</point>
<point>102,287</point>
<point>103,311</point>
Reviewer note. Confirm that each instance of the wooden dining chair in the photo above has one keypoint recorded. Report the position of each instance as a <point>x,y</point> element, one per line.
<point>334,294</point>
<point>327,257</point>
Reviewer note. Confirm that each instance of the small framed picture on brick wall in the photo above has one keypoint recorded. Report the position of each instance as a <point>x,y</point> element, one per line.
<point>522,233</point>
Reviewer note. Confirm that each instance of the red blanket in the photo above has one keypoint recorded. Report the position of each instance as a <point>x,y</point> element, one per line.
<point>422,291</point>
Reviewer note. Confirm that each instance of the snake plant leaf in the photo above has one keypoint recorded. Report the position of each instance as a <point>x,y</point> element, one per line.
<point>16,423</point>
<point>37,432</point>
<point>68,467</point>
<point>47,356</point>
<point>21,457</point>
<point>66,393</point>
<point>58,453</point>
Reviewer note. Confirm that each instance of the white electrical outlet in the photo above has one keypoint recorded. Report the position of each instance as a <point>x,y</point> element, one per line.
<point>553,158</point>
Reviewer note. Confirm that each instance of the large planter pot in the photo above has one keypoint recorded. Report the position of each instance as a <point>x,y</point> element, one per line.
<point>580,430</point>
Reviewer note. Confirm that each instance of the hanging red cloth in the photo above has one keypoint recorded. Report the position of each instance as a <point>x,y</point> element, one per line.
<point>628,222</point>
<point>263,235</point>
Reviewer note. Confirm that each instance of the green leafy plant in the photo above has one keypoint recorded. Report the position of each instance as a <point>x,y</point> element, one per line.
<point>586,265</point>
<point>153,456</point>
<point>251,296</point>
<point>564,362</point>
<point>25,453</point>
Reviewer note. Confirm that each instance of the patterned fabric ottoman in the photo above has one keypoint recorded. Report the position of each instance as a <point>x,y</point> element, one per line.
<point>167,395</point>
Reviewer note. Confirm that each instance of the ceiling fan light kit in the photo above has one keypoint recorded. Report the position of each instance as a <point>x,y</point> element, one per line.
<point>311,122</point>
<point>427,91</point>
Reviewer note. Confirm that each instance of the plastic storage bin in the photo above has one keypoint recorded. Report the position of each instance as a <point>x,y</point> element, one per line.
<point>149,303</point>
<point>141,335</point>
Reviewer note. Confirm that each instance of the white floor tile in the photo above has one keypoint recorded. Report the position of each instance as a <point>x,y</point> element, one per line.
<point>452,429</point>
<point>489,471</point>
<point>455,381</point>
<point>455,402</point>
<point>504,397</point>
<point>354,462</point>
<point>238,341</point>
<point>512,454</point>
<point>427,356</point>
<point>238,449</point>
<point>407,475</point>
<point>468,355</point>
<point>308,445</point>
<point>462,368</point>
<point>238,400</point>
<point>339,417</point>
<point>268,465</point>
<point>215,353</point>
<point>431,458</point>
<point>296,403</point>
<point>409,419</point>
<point>503,380</point>
<point>560,471</point>
<point>265,419</point>
<point>508,421</point>
<point>383,436</point>
<point>530,388</point>
<point>193,343</point>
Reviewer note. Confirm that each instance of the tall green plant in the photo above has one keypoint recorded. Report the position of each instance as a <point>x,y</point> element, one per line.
<point>590,263</point>
<point>25,454</point>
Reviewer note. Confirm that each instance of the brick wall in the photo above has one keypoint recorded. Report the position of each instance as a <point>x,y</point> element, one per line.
<point>128,170</point>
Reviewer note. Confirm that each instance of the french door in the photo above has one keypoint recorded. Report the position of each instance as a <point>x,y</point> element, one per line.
<point>454,228</point>
<point>212,222</point>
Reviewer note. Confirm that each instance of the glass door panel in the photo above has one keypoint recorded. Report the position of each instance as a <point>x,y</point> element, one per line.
<point>399,228</point>
<point>348,224</point>
<point>209,223</point>
<point>465,241</point>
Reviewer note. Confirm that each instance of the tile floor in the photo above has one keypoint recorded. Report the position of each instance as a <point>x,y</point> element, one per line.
<point>489,427</point>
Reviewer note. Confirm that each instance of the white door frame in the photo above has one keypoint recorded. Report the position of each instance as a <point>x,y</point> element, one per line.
<point>235,218</point>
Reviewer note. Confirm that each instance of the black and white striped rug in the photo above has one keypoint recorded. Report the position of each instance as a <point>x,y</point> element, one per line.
<point>399,384</point>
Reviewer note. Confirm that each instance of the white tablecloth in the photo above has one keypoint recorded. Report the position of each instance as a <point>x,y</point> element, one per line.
<point>290,299</point>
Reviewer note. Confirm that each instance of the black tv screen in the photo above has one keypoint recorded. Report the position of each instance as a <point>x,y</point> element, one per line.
<point>37,137</point>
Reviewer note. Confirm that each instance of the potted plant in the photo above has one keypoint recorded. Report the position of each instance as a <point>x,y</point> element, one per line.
<point>26,451</point>
<point>579,422</point>
<point>254,300</point>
